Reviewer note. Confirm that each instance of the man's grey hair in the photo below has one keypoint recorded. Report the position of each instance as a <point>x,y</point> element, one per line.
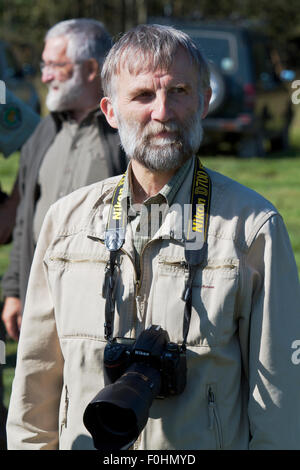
<point>88,39</point>
<point>152,47</point>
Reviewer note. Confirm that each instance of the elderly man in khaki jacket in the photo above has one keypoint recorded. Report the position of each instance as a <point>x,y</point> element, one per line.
<point>212,268</point>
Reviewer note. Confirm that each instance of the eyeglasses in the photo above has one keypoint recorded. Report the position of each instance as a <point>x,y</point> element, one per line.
<point>54,65</point>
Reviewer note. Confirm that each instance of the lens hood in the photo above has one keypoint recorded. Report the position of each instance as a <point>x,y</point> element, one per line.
<point>119,412</point>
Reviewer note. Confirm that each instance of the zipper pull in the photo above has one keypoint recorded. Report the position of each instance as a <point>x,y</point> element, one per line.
<point>187,291</point>
<point>67,406</point>
<point>64,421</point>
<point>137,287</point>
<point>138,307</point>
<point>211,408</point>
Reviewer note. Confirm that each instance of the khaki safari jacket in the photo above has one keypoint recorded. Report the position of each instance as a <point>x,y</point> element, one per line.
<point>243,377</point>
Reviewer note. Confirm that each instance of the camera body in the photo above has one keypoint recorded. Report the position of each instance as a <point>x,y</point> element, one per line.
<point>153,349</point>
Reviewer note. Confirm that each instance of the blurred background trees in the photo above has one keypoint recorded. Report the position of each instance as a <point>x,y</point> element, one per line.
<point>24,22</point>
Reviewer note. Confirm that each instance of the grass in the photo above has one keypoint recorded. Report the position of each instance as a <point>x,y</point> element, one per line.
<point>9,369</point>
<point>276,177</point>
<point>8,171</point>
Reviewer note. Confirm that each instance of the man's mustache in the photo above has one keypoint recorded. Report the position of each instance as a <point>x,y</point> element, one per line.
<point>54,84</point>
<point>154,128</point>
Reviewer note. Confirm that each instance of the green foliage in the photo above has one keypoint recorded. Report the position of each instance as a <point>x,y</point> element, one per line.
<point>8,171</point>
<point>26,21</point>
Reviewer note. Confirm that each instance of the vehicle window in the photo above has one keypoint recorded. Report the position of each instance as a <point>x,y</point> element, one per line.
<point>219,48</point>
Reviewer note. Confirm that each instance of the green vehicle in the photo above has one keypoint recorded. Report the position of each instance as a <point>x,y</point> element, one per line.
<point>251,107</point>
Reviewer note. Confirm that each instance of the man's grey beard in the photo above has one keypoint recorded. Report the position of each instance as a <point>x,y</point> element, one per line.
<point>163,154</point>
<point>67,94</point>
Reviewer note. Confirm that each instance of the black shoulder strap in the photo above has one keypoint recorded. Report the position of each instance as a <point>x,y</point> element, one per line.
<point>196,237</point>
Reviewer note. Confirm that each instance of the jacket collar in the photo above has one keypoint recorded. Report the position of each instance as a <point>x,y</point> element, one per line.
<point>172,224</point>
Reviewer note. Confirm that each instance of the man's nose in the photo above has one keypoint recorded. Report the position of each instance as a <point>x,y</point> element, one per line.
<point>162,109</point>
<point>47,75</point>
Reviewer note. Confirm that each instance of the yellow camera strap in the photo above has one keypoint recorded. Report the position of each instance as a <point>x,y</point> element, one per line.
<point>196,237</point>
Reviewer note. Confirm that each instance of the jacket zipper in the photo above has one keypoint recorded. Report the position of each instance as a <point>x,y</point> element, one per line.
<point>181,264</point>
<point>65,416</point>
<point>136,281</point>
<point>137,286</point>
<point>141,262</point>
<point>221,266</point>
<point>67,260</point>
<point>214,420</point>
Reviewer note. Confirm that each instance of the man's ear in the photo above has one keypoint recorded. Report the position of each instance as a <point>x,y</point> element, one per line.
<point>91,69</point>
<point>108,110</point>
<point>207,97</point>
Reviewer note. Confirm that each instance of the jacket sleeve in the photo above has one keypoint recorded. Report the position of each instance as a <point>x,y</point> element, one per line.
<point>270,328</point>
<point>15,279</point>
<point>11,278</point>
<point>33,414</point>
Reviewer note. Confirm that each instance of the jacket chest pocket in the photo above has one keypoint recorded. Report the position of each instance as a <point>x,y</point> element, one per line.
<point>76,282</point>
<point>213,301</point>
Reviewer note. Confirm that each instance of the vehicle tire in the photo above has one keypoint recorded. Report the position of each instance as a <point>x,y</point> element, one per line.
<point>251,146</point>
<point>218,87</point>
<point>281,143</point>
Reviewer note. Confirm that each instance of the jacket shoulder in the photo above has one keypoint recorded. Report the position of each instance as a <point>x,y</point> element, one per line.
<point>238,212</point>
<point>73,211</point>
<point>45,127</point>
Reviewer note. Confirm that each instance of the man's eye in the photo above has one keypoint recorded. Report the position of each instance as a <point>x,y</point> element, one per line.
<point>144,95</point>
<point>178,90</point>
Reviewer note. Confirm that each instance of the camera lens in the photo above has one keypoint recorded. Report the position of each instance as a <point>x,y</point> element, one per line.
<point>120,411</point>
<point>114,419</point>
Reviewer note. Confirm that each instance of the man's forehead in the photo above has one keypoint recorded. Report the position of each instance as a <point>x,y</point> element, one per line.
<point>141,68</point>
<point>179,65</point>
<point>140,61</point>
<point>141,73</point>
<point>56,46</point>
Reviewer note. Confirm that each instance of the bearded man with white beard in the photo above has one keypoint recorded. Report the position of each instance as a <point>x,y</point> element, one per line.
<point>177,338</point>
<point>72,147</point>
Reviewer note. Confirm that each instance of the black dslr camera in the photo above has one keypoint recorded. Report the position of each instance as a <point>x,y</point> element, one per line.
<point>153,367</point>
<point>152,348</point>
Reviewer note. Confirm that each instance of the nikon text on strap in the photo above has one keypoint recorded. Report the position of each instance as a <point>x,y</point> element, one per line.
<point>195,241</point>
<point>196,238</point>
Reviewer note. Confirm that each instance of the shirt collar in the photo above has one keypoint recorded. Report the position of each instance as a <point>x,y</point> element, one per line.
<point>63,116</point>
<point>166,194</point>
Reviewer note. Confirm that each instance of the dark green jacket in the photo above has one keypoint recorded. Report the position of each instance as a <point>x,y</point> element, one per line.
<point>14,283</point>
